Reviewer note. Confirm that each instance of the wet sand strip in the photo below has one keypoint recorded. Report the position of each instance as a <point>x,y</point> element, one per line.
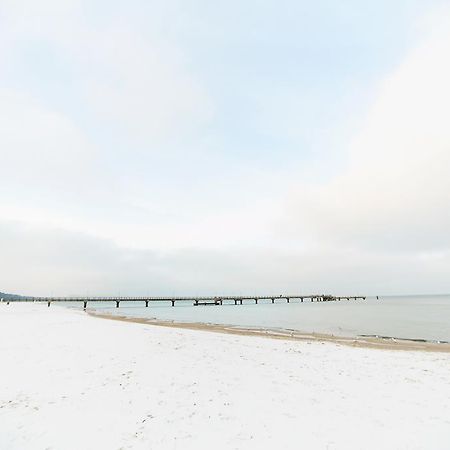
<point>366,341</point>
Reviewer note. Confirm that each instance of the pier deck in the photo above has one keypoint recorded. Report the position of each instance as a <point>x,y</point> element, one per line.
<point>196,301</point>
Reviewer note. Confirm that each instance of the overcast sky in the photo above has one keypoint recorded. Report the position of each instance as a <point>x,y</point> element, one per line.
<point>197,146</point>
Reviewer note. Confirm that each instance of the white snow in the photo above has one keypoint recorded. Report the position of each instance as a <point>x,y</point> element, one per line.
<point>71,381</point>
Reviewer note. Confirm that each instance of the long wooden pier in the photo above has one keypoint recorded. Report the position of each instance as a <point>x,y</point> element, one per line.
<point>196,301</point>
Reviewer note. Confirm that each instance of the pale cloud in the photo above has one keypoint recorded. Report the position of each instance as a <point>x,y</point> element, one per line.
<point>115,178</point>
<point>395,191</point>
<point>126,78</point>
<point>50,261</point>
<point>126,95</point>
<point>140,88</point>
<point>49,168</point>
<point>37,142</point>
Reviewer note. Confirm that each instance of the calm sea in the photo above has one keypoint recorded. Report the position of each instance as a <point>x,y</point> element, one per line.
<point>409,317</point>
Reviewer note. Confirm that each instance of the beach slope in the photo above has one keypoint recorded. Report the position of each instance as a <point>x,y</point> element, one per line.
<point>72,381</point>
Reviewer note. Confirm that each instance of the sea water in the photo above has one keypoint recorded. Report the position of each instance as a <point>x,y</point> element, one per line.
<point>408,317</point>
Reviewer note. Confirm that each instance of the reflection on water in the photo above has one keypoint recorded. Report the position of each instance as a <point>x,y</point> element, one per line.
<point>411,317</point>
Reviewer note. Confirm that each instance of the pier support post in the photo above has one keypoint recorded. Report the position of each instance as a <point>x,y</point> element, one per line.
<point>195,302</point>
<point>117,303</point>
<point>256,301</point>
<point>235,302</point>
<point>146,303</point>
<point>301,298</point>
<point>173,302</point>
<point>288,299</point>
<point>48,303</point>
<point>84,305</point>
<point>273,300</point>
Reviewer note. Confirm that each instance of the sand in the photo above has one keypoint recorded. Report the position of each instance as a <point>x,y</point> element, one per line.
<point>72,381</point>
<point>368,342</point>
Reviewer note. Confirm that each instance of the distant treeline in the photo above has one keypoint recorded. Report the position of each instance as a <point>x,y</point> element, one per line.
<point>9,296</point>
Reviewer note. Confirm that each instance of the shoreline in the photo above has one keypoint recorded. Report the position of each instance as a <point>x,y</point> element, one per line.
<point>165,387</point>
<point>381,342</point>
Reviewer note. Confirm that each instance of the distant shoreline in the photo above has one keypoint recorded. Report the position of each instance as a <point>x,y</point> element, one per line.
<point>365,341</point>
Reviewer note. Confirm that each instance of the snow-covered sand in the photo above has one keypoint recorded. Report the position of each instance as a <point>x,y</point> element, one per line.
<point>72,381</point>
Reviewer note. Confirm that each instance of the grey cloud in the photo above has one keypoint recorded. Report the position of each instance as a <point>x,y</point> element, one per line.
<point>48,261</point>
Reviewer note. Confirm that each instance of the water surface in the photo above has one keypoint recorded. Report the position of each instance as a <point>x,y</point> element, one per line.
<point>408,317</point>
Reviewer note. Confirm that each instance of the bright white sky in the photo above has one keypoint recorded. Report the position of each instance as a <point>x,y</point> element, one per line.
<point>178,146</point>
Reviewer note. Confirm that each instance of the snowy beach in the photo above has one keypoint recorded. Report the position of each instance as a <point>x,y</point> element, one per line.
<point>72,381</point>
